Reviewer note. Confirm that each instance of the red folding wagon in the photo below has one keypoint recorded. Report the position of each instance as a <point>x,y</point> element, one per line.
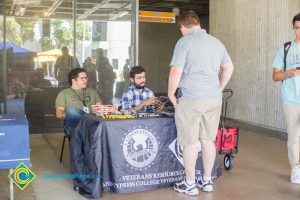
<point>227,136</point>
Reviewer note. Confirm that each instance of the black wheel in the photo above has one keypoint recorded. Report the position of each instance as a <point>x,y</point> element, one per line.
<point>228,162</point>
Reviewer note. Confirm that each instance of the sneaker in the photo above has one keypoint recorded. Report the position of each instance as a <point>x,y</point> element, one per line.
<point>295,175</point>
<point>206,186</point>
<point>183,187</point>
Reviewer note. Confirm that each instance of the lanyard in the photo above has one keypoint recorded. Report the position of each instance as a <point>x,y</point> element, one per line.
<point>83,99</point>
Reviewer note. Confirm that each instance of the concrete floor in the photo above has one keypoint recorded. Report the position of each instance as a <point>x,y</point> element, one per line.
<point>261,171</point>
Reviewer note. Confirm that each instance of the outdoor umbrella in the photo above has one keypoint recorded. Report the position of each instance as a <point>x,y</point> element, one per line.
<point>48,56</point>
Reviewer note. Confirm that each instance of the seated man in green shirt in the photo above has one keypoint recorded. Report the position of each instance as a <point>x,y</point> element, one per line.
<point>74,102</point>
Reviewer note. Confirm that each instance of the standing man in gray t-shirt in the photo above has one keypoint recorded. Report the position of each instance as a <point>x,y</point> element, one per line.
<point>197,60</point>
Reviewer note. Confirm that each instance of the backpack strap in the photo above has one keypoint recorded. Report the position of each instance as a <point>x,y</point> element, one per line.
<point>286,48</point>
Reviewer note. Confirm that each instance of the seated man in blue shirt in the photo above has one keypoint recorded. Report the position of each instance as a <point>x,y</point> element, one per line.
<point>137,96</point>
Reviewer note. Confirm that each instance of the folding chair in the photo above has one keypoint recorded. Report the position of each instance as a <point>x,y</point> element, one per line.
<point>63,143</point>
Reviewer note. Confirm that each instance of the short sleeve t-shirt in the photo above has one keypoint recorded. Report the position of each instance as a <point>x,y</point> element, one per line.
<point>200,55</point>
<point>290,89</point>
<point>70,98</point>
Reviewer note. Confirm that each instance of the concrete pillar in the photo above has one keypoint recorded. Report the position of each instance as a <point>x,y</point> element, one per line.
<point>252,30</point>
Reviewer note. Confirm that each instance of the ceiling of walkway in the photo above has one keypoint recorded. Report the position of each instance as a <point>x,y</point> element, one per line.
<point>201,7</point>
<point>100,10</point>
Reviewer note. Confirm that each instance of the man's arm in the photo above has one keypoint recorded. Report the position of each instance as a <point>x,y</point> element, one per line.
<point>148,102</point>
<point>278,75</point>
<point>226,72</point>
<point>98,102</point>
<point>60,112</point>
<point>127,102</point>
<point>174,79</point>
<point>60,105</point>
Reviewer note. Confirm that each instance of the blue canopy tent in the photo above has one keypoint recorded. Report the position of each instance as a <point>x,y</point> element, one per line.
<point>19,58</point>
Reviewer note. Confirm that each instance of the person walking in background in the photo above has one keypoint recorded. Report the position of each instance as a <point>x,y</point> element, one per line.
<point>106,76</point>
<point>90,68</point>
<point>63,65</point>
<point>196,62</point>
<point>126,74</point>
<point>286,68</point>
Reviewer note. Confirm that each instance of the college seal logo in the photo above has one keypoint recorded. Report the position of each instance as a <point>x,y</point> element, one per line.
<point>140,147</point>
<point>177,150</point>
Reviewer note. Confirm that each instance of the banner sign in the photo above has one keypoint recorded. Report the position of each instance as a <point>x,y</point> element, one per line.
<point>160,17</point>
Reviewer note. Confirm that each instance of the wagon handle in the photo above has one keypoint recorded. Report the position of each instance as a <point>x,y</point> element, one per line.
<point>229,92</point>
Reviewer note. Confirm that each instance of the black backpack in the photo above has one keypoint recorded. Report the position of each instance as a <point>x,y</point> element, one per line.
<point>286,48</point>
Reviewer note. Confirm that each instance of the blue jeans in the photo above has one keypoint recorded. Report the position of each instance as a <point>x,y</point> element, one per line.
<point>73,117</point>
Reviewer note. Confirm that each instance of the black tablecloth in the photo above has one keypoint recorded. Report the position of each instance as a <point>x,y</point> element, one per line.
<point>131,155</point>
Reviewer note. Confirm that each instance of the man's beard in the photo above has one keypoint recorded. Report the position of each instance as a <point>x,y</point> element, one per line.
<point>139,86</point>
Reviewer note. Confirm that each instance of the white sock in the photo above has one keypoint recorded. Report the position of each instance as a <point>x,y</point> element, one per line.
<point>189,182</point>
<point>206,178</point>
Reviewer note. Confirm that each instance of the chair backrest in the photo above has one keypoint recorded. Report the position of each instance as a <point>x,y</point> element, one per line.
<point>40,108</point>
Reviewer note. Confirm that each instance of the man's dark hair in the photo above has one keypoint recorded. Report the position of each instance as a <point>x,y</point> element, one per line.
<point>74,74</point>
<point>136,70</point>
<point>296,18</point>
<point>188,19</point>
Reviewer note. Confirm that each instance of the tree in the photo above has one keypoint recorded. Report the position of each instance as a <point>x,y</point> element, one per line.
<point>13,31</point>
<point>83,30</point>
<point>46,44</point>
<point>27,28</point>
<point>18,30</point>
<point>62,32</point>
